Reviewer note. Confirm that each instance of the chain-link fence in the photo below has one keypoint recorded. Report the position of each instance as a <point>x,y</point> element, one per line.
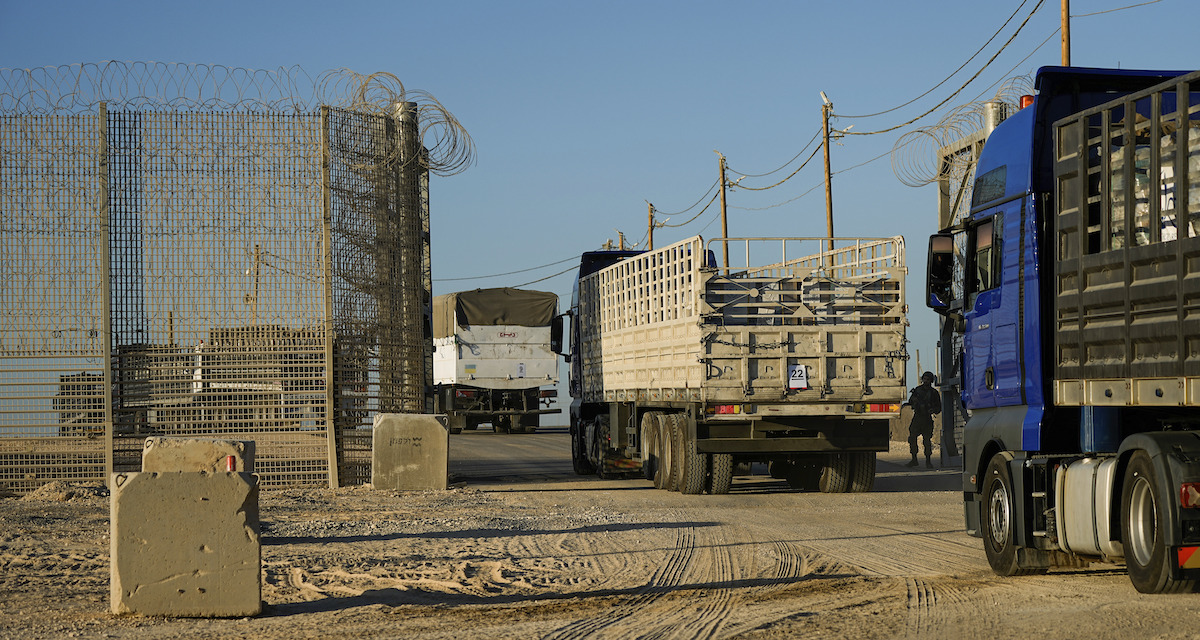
<point>247,266</point>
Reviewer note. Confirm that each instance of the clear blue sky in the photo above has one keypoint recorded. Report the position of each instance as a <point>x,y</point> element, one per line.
<point>583,112</point>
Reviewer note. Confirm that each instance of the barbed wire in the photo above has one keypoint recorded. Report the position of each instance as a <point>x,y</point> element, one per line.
<point>915,158</point>
<point>160,86</point>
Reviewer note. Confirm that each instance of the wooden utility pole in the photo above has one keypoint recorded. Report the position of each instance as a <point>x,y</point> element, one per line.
<point>724,218</point>
<point>1066,33</point>
<point>825,109</point>
<point>650,217</point>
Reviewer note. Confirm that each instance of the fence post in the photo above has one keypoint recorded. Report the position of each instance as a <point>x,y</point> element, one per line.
<point>105,273</point>
<point>327,279</point>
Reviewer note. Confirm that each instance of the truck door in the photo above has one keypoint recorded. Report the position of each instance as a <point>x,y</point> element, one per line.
<point>983,301</point>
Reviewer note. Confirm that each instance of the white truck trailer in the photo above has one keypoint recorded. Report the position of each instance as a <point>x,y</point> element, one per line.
<point>794,356</point>
<point>492,358</point>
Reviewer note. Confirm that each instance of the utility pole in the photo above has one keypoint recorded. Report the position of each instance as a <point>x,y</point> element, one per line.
<point>1066,33</point>
<point>724,218</point>
<point>826,108</point>
<point>650,218</point>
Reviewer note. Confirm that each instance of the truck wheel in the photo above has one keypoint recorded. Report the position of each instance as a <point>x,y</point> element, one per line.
<point>579,461</point>
<point>693,465</point>
<point>804,474</point>
<point>835,476</point>
<point>779,469</point>
<point>648,436</point>
<point>862,471</point>
<point>999,520</point>
<point>528,423</point>
<point>721,476</point>
<point>667,476</point>
<point>1146,556</point>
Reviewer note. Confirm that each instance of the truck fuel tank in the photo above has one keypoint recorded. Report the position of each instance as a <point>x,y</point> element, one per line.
<point>1084,502</point>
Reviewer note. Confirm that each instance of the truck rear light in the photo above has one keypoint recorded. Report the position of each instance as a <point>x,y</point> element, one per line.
<point>549,393</point>
<point>1189,495</point>
<point>464,393</point>
<point>865,407</point>
<point>725,409</point>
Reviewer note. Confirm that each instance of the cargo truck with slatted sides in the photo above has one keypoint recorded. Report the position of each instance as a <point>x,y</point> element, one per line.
<point>493,360</point>
<point>1075,283</point>
<point>785,351</point>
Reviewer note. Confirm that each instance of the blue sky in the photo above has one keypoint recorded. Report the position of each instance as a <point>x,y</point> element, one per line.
<point>583,112</point>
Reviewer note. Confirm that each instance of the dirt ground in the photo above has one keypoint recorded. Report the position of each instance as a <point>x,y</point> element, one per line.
<point>565,557</point>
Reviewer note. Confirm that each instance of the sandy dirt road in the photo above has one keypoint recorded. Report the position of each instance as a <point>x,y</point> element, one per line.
<point>523,548</point>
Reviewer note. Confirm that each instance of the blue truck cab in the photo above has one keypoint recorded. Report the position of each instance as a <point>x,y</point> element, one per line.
<point>1079,440</point>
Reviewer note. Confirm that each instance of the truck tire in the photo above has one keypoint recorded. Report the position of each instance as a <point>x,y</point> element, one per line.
<point>693,465</point>
<point>835,476</point>
<point>779,469</point>
<point>669,470</point>
<point>804,474</point>
<point>998,520</point>
<point>862,471</point>
<point>1147,558</point>
<point>579,461</point>
<point>528,422</point>
<point>667,476</point>
<point>721,476</point>
<point>648,437</point>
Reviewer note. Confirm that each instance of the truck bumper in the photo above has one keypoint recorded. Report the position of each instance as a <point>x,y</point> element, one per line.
<point>823,437</point>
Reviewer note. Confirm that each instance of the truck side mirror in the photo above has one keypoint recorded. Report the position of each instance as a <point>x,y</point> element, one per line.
<point>939,272</point>
<point>556,336</point>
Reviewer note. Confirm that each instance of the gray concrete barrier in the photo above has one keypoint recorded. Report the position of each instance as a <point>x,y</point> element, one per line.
<point>185,544</point>
<point>410,452</point>
<point>196,454</point>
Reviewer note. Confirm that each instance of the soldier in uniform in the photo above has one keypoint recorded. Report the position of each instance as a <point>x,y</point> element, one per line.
<point>925,402</point>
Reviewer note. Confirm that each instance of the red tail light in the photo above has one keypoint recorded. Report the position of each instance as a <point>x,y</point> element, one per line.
<point>1189,495</point>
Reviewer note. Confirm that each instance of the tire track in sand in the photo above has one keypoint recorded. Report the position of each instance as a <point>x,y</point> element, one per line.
<point>667,606</point>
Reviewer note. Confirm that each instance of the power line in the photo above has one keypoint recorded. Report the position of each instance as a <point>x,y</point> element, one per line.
<point>954,73</point>
<point>567,270</point>
<point>497,275</point>
<point>681,224</point>
<point>789,177</point>
<point>782,167</point>
<point>1132,6</point>
<point>961,88</point>
<point>679,213</point>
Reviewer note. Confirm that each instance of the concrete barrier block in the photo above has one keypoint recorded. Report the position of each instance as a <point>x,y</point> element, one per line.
<point>185,544</point>
<point>196,454</point>
<point>410,452</point>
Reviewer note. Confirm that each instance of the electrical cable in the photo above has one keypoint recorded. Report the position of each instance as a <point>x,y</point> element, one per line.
<point>961,88</point>
<point>954,73</point>
<point>782,167</point>
<point>681,224</point>
<point>497,275</point>
<point>789,177</point>
<point>567,270</point>
<point>1132,6</point>
<point>679,213</point>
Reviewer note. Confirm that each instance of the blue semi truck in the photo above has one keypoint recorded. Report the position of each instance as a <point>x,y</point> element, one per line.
<point>1070,303</point>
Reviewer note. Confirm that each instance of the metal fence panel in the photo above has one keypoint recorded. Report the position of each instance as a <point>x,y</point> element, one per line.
<point>251,264</point>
